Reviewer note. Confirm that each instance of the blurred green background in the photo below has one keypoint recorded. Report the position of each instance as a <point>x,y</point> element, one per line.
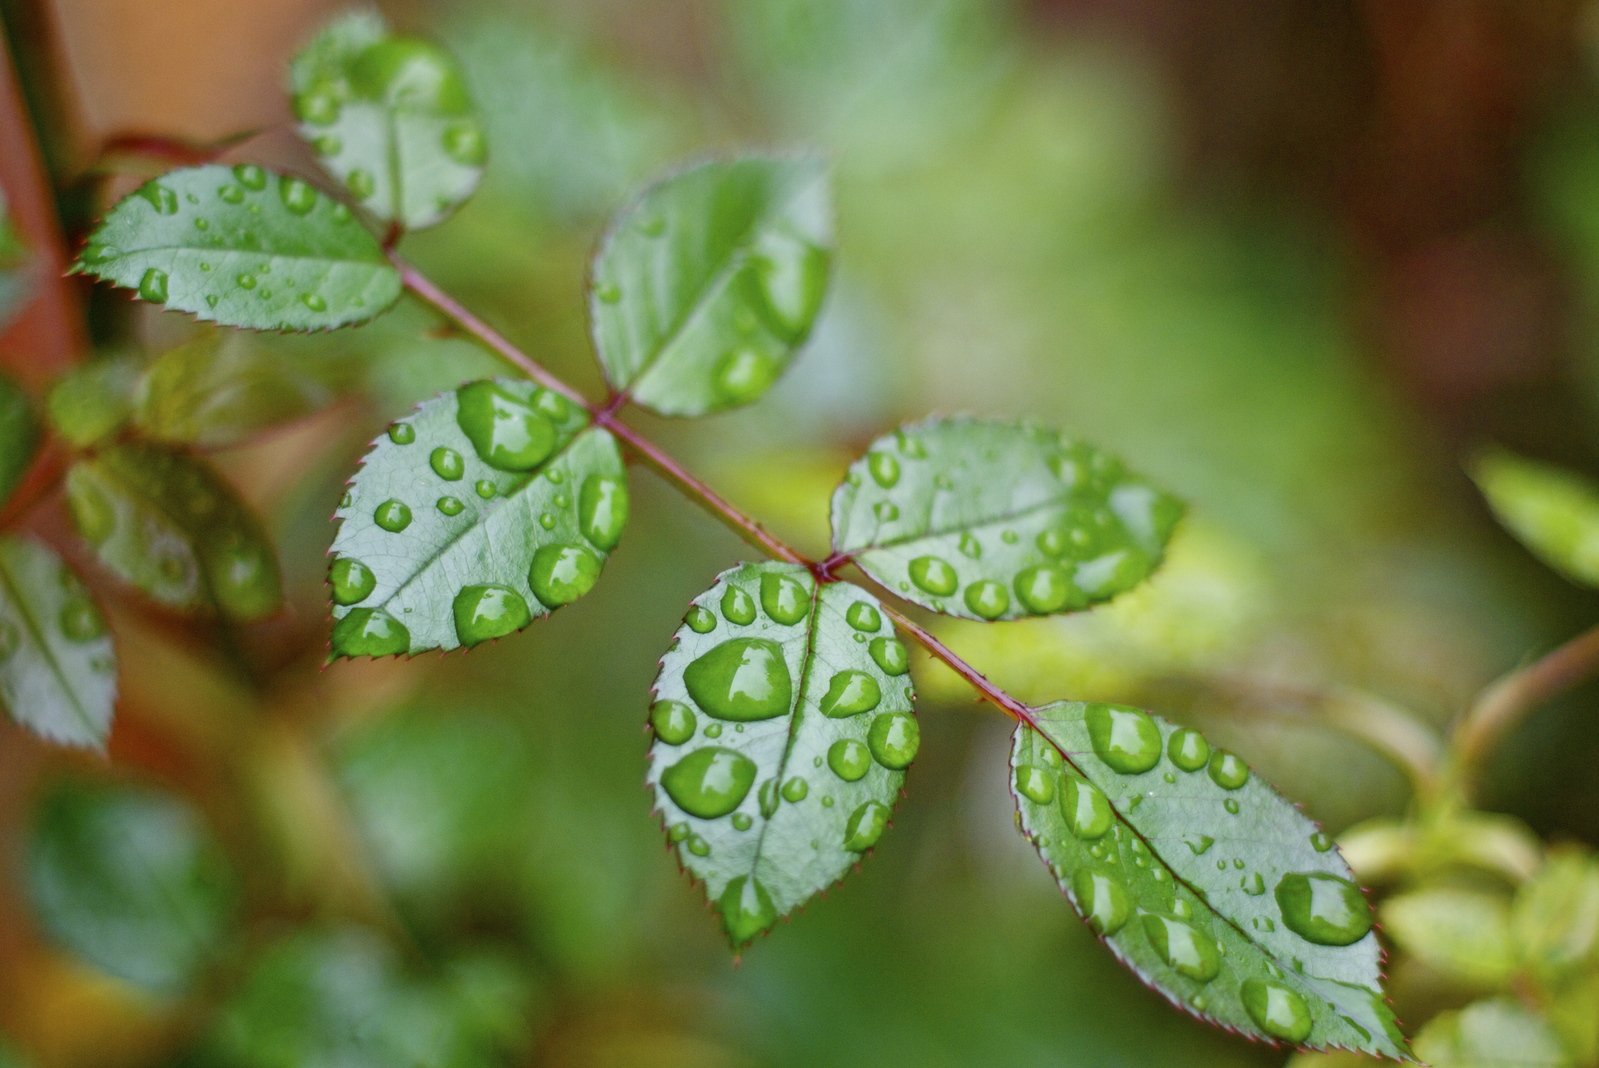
<point>1294,259</point>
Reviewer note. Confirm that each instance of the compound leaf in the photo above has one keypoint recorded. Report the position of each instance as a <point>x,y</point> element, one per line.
<point>485,509</point>
<point>782,729</point>
<point>19,436</point>
<point>391,117</point>
<point>1552,511</point>
<point>58,675</point>
<point>131,881</point>
<point>244,247</point>
<point>1202,879</point>
<point>994,520</point>
<point>167,523</point>
<point>704,290</point>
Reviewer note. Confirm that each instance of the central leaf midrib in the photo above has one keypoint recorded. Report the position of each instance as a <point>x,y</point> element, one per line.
<point>219,252</point>
<point>14,594</point>
<point>945,532</point>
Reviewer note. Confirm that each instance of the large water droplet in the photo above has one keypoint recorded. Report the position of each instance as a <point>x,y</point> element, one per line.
<point>894,738</point>
<point>602,508</point>
<point>784,599</point>
<point>560,574</point>
<point>1102,901</point>
<point>673,722</point>
<point>1188,749</point>
<point>1323,908</point>
<point>352,581</point>
<point>505,430</point>
<point>884,467</point>
<point>447,464</point>
<point>747,909</point>
<point>1279,1011</point>
<point>700,620</point>
<point>1189,951</point>
<point>486,612</point>
<point>1044,590</point>
<point>890,655</point>
<point>850,693</point>
<point>865,826</point>
<point>863,617</point>
<point>153,286</point>
<point>1035,783</point>
<point>791,279</point>
<point>1126,739</point>
<point>370,632</point>
<point>392,515</point>
<point>987,599</point>
<point>709,782</point>
<point>743,679</point>
<point>737,606</point>
<point>1228,770</point>
<point>849,759</point>
<point>1085,808</point>
<point>934,575</point>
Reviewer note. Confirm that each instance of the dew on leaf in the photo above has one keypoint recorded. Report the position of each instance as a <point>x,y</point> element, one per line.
<point>742,679</point>
<point>1228,770</point>
<point>744,374</point>
<point>784,600</point>
<point>884,468</point>
<point>245,281</point>
<point>737,606</point>
<point>402,433</point>
<point>352,581</point>
<point>250,176</point>
<point>934,575</point>
<point>602,509</point>
<point>863,617</point>
<point>1321,841</point>
<point>392,515</point>
<point>231,194</point>
<point>1323,908</point>
<point>700,620</point>
<point>890,655</point>
<point>709,782</point>
<point>894,738</point>
<point>463,142</point>
<point>885,511</point>
<point>673,721</point>
<point>485,488</point>
<point>297,196</point>
<point>1102,901</point>
<point>370,632</point>
<point>360,183</point>
<point>560,574</point>
<point>746,908</point>
<point>451,506</point>
<point>506,431</point>
<point>1199,844</point>
<point>791,276</point>
<point>1277,1010</point>
<point>1189,951</point>
<point>447,463</point>
<point>698,846</point>
<point>1044,589</point>
<point>849,759</point>
<point>849,693</point>
<point>81,620</point>
<point>488,611</point>
<point>987,598</point>
<point>1035,783</point>
<point>795,790</point>
<point>1085,808</point>
<point>1188,749</point>
<point>162,199</point>
<point>153,286</point>
<point>865,826</point>
<point>1126,739</point>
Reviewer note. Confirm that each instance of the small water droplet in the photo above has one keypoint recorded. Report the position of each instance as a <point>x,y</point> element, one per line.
<point>744,374</point>
<point>607,292</point>
<point>1321,841</point>
<point>709,782</point>
<point>1252,884</point>
<point>81,620</point>
<point>1231,805</point>
<point>1199,843</point>
<point>698,846</point>
<point>795,790</point>
<point>463,142</point>
<point>352,581</point>
<point>451,506</point>
<point>885,511</point>
<point>319,107</point>
<point>700,620</point>
<point>231,194</point>
<point>746,909</point>
<point>489,611</point>
<point>447,464</point>
<point>890,655</point>
<point>849,759</point>
<point>392,515</point>
<point>987,599</point>
<point>934,575</point>
<point>297,196</point>
<point>245,281</point>
<point>849,693</point>
<point>327,145</point>
<point>1045,589</point>
<point>737,606</point>
<point>863,617</point>
<point>162,199</point>
<point>1188,749</point>
<point>360,183</point>
<point>673,722</point>
<point>1228,770</point>
<point>1323,908</point>
<point>250,176</point>
<point>153,286</point>
<point>485,488</point>
<point>713,730</point>
<point>884,468</point>
<point>402,433</point>
<point>560,574</point>
<point>865,826</point>
<point>743,679</point>
<point>211,300</point>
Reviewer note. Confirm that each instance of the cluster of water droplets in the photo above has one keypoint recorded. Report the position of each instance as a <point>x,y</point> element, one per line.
<point>1320,907</point>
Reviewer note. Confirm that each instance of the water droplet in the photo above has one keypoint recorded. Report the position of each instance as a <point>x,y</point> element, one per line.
<point>1231,805</point>
<point>352,581</point>
<point>849,759</point>
<point>890,655</point>
<point>742,679</point>
<point>211,300</point>
<point>1188,749</point>
<point>1189,951</point>
<point>744,374</point>
<point>850,693</point>
<point>450,506</point>
<point>747,909</point>
<point>447,464</point>
<point>1199,843</point>
<point>162,199</point>
<point>485,488</point>
<point>361,183</point>
<point>202,224</point>
<point>698,846</point>
<point>1126,739</point>
<point>153,286</point>
<point>987,599</point>
<point>231,194</point>
<point>319,107</point>
<point>1052,542</point>
<point>885,511</point>
<point>1044,589</point>
<point>894,738</point>
<point>392,515</point>
<point>1101,900</point>
<point>486,612</point>
<point>709,782</point>
<point>1252,884</point>
<point>768,798</point>
<point>245,281</point>
<point>297,196</point>
<point>970,547</point>
<point>463,142</point>
<point>738,606</point>
<point>784,599</point>
<point>547,521</point>
<point>795,790</point>
<point>700,620</point>
<point>402,433</point>
<point>506,432</point>
<point>713,730</point>
<point>1035,784</point>
<point>370,632</point>
<point>863,616</point>
<point>250,176</point>
<point>602,509</point>
<point>1085,808</point>
<point>1321,841</point>
<point>934,575</point>
<point>884,468</point>
<point>560,574</point>
<point>81,620</point>
<point>742,821</point>
<point>1279,1011</point>
<point>673,722</point>
<point>791,279</point>
<point>314,302</point>
<point>1228,770</point>
<point>607,292</point>
<point>865,826</point>
<point>1323,908</point>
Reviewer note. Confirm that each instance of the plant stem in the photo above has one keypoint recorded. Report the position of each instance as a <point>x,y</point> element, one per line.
<point>1505,702</point>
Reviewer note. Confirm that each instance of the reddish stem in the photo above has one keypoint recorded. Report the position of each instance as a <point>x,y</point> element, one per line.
<point>48,465</point>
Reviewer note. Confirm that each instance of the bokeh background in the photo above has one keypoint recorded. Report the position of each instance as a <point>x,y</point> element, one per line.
<point>1297,259</point>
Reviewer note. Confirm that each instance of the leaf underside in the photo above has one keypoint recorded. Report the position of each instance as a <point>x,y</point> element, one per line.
<point>243,247</point>
<point>488,507</point>
<point>995,520</point>
<point>391,117</point>
<point>164,521</point>
<point>704,290</point>
<point>57,668</point>
<point>782,727</point>
<point>1203,880</point>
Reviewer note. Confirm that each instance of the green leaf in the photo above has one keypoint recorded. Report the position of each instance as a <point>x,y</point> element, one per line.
<point>19,436</point>
<point>244,247</point>
<point>58,674</point>
<point>993,520</point>
<point>391,117</point>
<point>1460,932</point>
<point>16,279</point>
<point>705,289</point>
<point>222,388</point>
<point>94,399</point>
<point>1552,511</point>
<point>1202,879</point>
<point>1555,919</point>
<point>167,523</point>
<point>487,508</point>
<point>783,726</point>
<point>131,881</point>
<point>1499,1033</point>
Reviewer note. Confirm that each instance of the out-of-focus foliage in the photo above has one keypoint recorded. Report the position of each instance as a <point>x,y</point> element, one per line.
<point>1555,513</point>
<point>14,280</point>
<point>19,432</point>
